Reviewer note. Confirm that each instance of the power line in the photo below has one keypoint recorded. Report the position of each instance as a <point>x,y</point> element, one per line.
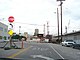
<point>29,24</point>
<point>33,24</point>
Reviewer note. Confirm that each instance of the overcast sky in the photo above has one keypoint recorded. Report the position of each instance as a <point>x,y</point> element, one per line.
<point>32,14</point>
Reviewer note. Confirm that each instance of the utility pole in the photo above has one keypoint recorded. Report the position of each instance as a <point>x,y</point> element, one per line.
<point>44,30</point>
<point>61,15</point>
<point>19,30</point>
<point>47,28</point>
<point>61,19</point>
<point>58,22</point>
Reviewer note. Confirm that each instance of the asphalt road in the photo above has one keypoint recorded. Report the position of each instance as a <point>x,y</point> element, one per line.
<point>41,51</point>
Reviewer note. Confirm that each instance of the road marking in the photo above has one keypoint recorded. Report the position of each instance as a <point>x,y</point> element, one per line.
<point>14,55</point>
<point>41,56</point>
<point>57,52</point>
<point>40,48</point>
<point>50,52</point>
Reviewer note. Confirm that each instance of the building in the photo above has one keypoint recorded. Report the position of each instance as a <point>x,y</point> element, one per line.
<point>71,36</point>
<point>3,32</point>
<point>26,34</point>
<point>68,36</point>
<point>36,32</point>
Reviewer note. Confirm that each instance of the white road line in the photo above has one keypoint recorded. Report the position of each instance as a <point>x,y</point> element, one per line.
<point>57,52</point>
<point>41,56</point>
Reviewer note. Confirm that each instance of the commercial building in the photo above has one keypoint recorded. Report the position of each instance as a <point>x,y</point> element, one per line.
<point>3,32</point>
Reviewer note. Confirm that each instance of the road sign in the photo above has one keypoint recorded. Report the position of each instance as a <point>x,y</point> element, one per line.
<point>11,19</point>
<point>10,32</point>
<point>11,25</point>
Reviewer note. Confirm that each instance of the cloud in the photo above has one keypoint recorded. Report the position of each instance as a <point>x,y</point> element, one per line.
<point>71,12</point>
<point>72,9</point>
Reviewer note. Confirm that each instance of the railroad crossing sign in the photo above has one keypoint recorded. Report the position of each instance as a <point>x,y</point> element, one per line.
<point>10,32</point>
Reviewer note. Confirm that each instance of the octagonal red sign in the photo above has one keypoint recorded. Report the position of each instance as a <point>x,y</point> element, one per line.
<point>11,19</point>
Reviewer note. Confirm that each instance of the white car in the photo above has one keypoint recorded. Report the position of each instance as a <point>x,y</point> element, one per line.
<point>68,43</point>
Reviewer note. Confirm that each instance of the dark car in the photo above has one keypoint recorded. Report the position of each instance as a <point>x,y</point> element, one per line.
<point>77,44</point>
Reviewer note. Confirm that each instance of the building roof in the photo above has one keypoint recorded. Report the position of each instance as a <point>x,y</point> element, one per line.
<point>3,24</point>
<point>72,33</point>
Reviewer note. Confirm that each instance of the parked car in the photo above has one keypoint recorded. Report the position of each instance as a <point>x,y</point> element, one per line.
<point>68,43</point>
<point>77,44</point>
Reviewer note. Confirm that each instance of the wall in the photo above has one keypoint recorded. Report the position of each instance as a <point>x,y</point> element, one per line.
<point>71,37</point>
<point>3,32</point>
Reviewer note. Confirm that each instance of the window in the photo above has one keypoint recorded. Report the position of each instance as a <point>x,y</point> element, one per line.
<point>69,40</point>
<point>0,37</point>
<point>5,30</point>
<point>1,29</point>
<point>8,37</point>
<point>4,37</point>
<point>75,37</point>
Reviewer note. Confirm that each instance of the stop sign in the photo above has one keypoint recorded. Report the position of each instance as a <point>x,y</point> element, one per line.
<point>11,19</point>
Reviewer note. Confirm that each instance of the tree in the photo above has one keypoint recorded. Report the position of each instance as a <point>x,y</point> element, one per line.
<point>15,36</point>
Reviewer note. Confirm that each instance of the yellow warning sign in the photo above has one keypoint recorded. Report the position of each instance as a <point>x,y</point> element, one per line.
<point>10,32</point>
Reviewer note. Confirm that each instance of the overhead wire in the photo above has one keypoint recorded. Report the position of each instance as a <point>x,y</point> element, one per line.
<point>33,24</point>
